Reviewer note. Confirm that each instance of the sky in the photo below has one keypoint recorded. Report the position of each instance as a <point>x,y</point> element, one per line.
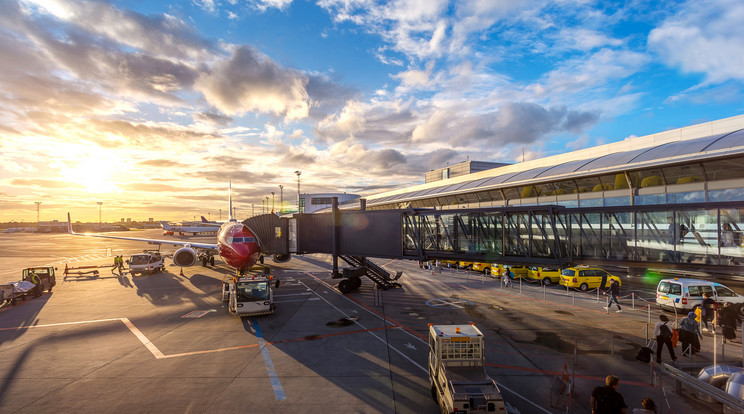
<point>152,107</point>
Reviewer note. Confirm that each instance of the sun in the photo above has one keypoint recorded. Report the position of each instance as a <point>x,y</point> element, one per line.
<point>93,174</point>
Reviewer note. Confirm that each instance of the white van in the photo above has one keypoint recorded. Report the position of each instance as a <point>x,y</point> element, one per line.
<point>687,294</point>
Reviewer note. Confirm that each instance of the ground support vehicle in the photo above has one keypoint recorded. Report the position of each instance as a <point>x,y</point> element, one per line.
<point>150,261</point>
<point>46,275</point>
<point>459,381</point>
<point>684,295</point>
<point>249,295</point>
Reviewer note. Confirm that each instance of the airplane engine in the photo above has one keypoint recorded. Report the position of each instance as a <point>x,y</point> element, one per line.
<point>185,257</point>
<point>281,258</point>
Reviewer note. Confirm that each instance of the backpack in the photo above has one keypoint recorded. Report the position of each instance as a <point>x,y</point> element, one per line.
<point>665,332</point>
<point>607,402</point>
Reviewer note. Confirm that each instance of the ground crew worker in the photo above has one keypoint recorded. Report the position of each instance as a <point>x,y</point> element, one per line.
<point>116,264</point>
<point>36,280</point>
<point>121,263</point>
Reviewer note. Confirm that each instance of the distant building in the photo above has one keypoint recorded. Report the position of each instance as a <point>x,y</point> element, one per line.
<point>310,203</point>
<point>463,168</point>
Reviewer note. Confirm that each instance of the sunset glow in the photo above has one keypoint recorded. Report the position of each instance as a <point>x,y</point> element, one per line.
<point>151,108</point>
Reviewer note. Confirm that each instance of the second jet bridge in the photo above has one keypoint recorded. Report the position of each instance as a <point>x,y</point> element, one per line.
<point>425,234</point>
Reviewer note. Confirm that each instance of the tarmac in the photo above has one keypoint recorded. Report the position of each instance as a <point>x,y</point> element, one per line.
<point>166,343</point>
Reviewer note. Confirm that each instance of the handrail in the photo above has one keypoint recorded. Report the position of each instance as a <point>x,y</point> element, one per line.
<point>702,387</point>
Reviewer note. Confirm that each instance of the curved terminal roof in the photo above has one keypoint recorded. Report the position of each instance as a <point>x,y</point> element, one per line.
<point>667,153</point>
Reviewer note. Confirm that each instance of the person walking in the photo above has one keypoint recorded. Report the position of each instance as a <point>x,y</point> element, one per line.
<point>730,319</point>
<point>613,291</point>
<point>606,400</point>
<point>689,334</point>
<point>663,335</point>
<point>508,276</point>
<point>709,309</point>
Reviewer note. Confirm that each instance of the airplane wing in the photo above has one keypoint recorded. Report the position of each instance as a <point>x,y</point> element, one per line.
<point>151,241</point>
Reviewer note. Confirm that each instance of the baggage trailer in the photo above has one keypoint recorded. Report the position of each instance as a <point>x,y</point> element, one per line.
<point>458,378</point>
<point>14,290</point>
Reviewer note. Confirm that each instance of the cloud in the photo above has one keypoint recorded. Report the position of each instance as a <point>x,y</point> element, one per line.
<point>703,37</point>
<point>512,123</point>
<point>43,183</point>
<point>251,82</point>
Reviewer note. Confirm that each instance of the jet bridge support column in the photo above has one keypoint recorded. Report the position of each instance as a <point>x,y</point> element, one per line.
<point>335,236</point>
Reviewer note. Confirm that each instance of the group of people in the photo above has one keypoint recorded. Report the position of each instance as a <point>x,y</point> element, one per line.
<point>607,400</point>
<point>118,264</point>
<point>690,331</point>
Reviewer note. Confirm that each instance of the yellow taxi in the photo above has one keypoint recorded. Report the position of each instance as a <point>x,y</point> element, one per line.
<point>485,267</point>
<point>518,271</point>
<point>586,277</point>
<point>465,265</point>
<point>544,274</point>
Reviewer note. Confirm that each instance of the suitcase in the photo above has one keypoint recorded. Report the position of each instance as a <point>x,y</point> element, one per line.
<point>644,354</point>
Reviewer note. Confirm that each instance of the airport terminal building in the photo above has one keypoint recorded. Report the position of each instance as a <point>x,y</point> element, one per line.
<point>674,197</point>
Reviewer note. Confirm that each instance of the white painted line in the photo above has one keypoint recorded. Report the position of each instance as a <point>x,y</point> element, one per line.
<point>522,397</point>
<point>295,300</point>
<point>372,333</point>
<point>146,342</point>
<point>294,294</point>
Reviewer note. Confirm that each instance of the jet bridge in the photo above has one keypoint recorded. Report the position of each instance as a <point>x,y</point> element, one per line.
<point>677,237</point>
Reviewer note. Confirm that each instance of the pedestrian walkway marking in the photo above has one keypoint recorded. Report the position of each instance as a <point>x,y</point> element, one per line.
<point>197,313</point>
<point>275,384</point>
<point>449,303</point>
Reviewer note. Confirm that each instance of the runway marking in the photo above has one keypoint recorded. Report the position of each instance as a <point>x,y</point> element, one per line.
<point>374,335</point>
<point>275,384</point>
<point>149,345</point>
<point>449,303</point>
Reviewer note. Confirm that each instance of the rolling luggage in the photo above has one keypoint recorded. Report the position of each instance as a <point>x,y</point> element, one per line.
<point>644,354</point>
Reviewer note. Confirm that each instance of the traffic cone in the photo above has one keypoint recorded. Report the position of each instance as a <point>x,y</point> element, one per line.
<point>181,272</point>
<point>65,269</point>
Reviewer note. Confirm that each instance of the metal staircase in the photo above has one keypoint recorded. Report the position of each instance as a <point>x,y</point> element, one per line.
<point>363,267</point>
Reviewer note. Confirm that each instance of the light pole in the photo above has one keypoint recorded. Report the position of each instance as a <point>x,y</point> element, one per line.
<point>99,213</point>
<point>281,199</point>
<point>220,214</point>
<point>263,207</point>
<point>267,204</point>
<point>298,172</point>
<point>37,212</point>
<point>272,202</point>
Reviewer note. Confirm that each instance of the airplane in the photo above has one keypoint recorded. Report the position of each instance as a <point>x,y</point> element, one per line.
<point>236,245</point>
<point>169,230</point>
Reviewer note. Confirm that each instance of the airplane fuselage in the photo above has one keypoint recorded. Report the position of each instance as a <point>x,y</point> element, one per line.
<point>237,246</point>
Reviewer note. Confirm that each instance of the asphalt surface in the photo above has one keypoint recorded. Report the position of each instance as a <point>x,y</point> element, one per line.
<point>166,342</point>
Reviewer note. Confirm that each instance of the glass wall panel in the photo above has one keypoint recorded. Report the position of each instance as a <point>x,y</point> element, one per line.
<point>592,202</point>
<point>587,184</point>
<point>683,174</point>
<point>724,169</point>
<point>617,201</point>
<point>565,187</point>
<point>650,199</point>
<point>688,197</point>
<point>608,182</point>
<point>511,193</point>
<point>732,194</point>
<point>647,178</point>
<point>730,236</point>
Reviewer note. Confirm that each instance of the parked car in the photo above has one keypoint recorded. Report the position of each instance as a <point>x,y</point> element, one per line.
<point>685,295</point>
<point>545,275</point>
<point>519,271</point>
<point>585,278</point>
<point>485,268</point>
